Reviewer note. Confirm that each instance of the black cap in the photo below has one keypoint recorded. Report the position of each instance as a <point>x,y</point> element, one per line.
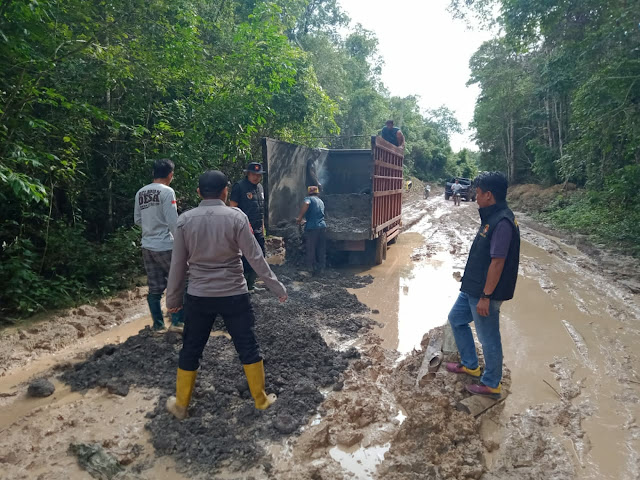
<point>212,182</point>
<point>254,167</point>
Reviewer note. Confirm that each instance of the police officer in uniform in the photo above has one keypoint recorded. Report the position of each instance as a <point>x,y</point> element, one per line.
<point>248,196</point>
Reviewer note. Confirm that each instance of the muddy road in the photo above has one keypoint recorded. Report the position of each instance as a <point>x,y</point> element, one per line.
<point>343,355</point>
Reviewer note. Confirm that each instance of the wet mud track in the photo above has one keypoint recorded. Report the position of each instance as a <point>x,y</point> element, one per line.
<point>343,355</point>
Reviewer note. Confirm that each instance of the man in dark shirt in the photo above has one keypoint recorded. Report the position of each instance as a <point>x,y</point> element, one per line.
<point>489,279</point>
<point>392,134</point>
<point>248,196</point>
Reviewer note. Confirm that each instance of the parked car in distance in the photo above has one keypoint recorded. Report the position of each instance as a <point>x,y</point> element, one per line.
<point>467,193</point>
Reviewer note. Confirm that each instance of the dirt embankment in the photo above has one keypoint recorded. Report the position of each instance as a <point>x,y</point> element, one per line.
<point>46,335</point>
<point>533,199</point>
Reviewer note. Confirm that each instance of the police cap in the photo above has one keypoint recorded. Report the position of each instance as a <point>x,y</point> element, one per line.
<point>254,167</point>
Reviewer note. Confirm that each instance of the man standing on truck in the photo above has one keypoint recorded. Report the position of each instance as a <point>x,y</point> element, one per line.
<point>392,134</point>
<point>155,211</point>
<point>315,231</point>
<point>248,196</point>
<point>489,279</point>
<point>210,239</point>
<point>456,188</point>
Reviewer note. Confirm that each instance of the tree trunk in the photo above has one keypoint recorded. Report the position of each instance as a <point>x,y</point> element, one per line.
<point>548,116</point>
<point>559,122</point>
<point>512,156</point>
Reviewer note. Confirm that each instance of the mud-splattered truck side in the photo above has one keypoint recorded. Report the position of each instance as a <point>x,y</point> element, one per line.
<point>361,189</point>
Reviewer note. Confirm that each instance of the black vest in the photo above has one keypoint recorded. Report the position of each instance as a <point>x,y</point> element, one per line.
<point>251,202</point>
<point>475,273</point>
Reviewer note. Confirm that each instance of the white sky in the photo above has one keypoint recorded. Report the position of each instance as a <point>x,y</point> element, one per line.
<point>426,53</point>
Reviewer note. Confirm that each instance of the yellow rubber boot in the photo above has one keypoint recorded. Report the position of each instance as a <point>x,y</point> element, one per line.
<point>255,377</point>
<point>177,406</point>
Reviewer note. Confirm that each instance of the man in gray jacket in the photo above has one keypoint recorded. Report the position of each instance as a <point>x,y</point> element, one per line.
<point>156,212</point>
<point>211,239</point>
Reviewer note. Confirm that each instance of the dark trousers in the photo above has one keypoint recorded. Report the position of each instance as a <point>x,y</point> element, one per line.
<point>315,242</point>
<point>260,238</point>
<point>238,317</point>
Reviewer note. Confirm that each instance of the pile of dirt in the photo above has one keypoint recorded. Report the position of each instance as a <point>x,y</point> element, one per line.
<point>417,428</point>
<point>416,192</point>
<point>534,198</point>
<point>224,429</point>
<point>348,216</point>
<point>293,241</point>
<point>274,249</point>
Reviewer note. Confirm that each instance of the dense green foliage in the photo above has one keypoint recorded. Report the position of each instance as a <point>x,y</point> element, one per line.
<point>560,102</point>
<point>560,89</point>
<point>92,91</point>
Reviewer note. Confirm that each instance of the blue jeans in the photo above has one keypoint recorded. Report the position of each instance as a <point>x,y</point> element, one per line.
<point>488,329</point>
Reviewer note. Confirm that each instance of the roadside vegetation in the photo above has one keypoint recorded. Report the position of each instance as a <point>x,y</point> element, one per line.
<point>605,217</point>
<point>560,104</point>
<point>91,92</point>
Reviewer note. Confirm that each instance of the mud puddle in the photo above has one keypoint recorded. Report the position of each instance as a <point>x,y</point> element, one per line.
<point>570,338</point>
<point>411,297</point>
<point>571,341</point>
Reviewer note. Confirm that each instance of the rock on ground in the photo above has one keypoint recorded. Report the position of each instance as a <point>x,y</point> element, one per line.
<point>41,388</point>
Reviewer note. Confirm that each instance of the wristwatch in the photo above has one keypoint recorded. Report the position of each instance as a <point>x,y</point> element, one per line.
<point>484,295</point>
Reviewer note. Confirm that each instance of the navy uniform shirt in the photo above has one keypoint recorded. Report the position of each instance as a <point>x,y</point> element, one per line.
<point>250,199</point>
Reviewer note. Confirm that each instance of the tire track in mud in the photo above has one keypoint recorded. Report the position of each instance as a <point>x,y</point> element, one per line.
<point>568,435</point>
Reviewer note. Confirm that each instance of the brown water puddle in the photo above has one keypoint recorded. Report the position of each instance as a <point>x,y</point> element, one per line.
<point>412,297</point>
<point>566,326</point>
<point>572,314</point>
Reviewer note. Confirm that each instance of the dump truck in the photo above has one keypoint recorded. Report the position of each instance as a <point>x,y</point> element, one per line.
<point>361,190</point>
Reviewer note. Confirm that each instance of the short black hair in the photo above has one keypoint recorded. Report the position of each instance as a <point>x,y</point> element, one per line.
<point>389,121</point>
<point>494,182</point>
<point>211,183</point>
<point>162,168</point>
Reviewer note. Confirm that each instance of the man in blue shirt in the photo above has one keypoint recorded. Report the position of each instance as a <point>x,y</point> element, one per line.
<point>315,230</point>
<point>392,134</point>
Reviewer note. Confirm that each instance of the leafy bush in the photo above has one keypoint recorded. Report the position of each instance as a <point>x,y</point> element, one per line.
<point>73,271</point>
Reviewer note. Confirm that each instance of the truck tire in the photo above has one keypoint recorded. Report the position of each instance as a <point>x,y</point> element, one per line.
<point>446,196</point>
<point>381,249</point>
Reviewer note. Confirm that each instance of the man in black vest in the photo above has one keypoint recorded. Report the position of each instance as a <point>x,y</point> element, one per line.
<point>489,279</point>
<point>248,196</point>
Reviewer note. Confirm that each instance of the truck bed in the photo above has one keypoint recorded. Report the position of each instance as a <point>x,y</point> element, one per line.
<point>348,216</point>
